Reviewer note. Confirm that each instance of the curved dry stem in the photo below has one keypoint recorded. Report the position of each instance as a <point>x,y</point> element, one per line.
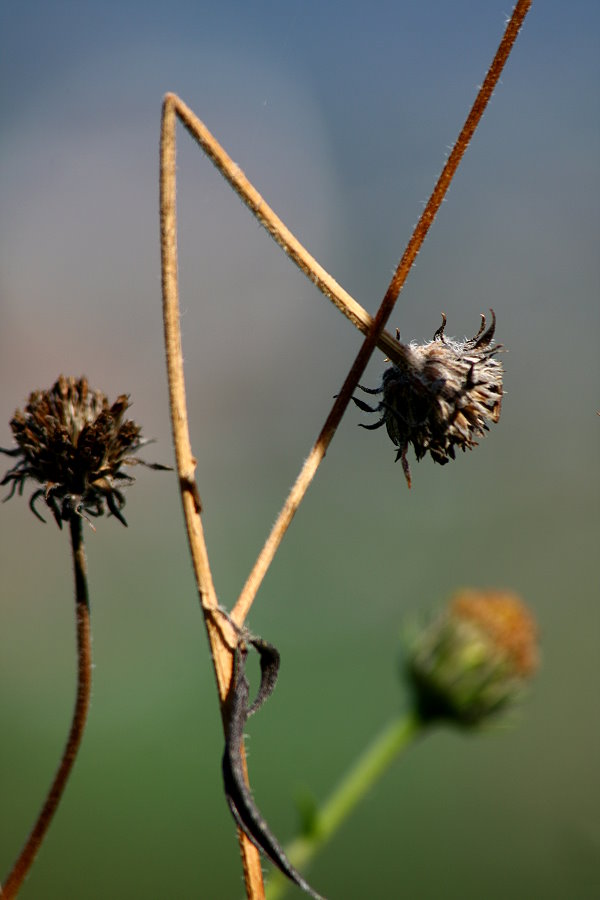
<point>222,639</point>
<point>84,683</point>
<point>415,243</point>
<point>271,222</point>
<point>221,635</point>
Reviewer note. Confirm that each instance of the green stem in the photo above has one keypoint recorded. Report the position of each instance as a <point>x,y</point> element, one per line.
<point>357,782</point>
<point>27,856</point>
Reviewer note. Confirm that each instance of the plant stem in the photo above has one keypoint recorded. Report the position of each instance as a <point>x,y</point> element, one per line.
<point>84,682</point>
<point>357,782</point>
<point>222,637</point>
<point>280,233</point>
<point>375,331</point>
<point>173,107</point>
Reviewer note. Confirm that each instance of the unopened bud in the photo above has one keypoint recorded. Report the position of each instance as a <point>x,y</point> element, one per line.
<point>474,659</point>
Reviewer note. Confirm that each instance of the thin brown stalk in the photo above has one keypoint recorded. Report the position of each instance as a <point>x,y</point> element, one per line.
<point>419,234</point>
<point>222,637</point>
<point>259,208</point>
<point>84,683</point>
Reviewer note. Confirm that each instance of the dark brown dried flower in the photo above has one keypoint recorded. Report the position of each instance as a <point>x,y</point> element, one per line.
<point>440,396</point>
<point>75,445</point>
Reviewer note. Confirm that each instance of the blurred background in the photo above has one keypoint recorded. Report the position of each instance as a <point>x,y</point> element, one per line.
<point>342,116</point>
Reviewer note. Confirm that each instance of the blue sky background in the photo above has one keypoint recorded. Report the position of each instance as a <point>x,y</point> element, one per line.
<point>342,116</point>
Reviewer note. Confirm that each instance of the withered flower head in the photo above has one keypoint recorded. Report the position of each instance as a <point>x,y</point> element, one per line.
<point>439,395</point>
<point>75,445</point>
<point>473,660</point>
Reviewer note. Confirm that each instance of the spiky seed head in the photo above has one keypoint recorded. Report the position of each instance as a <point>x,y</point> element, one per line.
<point>440,395</point>
<point>75,445</point>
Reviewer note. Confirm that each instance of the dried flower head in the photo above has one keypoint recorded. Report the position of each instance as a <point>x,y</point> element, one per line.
<point>474,659</point>
<point>75,445</point>
<point>440,395</point>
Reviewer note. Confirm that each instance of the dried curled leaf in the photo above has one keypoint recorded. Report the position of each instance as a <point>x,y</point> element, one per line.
<point>238,794</point>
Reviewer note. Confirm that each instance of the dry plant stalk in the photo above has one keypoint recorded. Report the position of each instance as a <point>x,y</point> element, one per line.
<point>74,447</point>
<point>221,634</point>
<point>19,871</point>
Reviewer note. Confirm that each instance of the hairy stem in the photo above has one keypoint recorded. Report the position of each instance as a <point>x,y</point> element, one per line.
<point>414,245</point>
<point>356,783</point>
<point>280,233</point>
<point>221,636</point>
<point>84,683</point>
<point>373,329</point>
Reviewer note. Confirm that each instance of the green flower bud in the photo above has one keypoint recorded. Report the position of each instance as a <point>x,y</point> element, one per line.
<point>474,659</point>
